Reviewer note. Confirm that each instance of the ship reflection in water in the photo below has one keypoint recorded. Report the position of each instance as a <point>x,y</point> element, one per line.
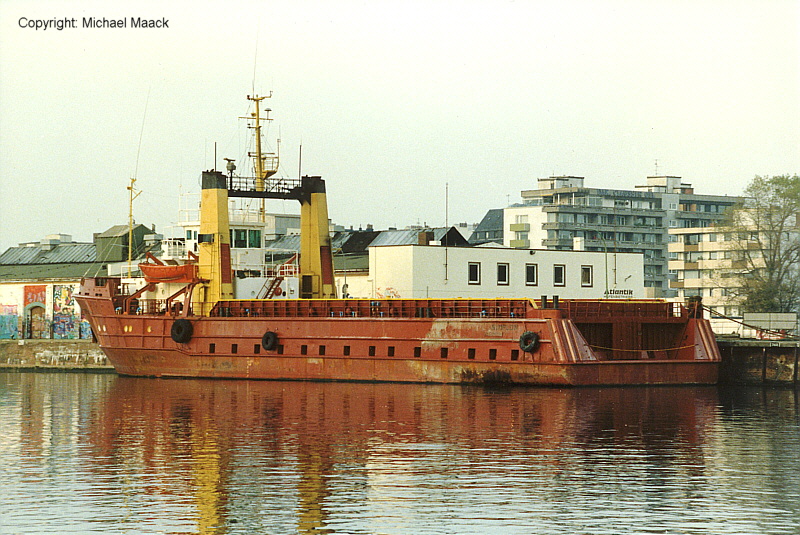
<point>116,454</point>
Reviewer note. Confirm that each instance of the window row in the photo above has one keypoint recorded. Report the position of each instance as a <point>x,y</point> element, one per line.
<point>531,274</point>
<point>240,238</point>
<point>373,351</point>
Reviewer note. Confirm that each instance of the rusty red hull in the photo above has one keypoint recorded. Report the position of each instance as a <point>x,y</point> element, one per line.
<point>175,364</point>
<point>456,341</point>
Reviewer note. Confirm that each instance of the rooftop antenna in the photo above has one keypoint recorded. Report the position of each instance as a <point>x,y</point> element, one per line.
<point>446,224</point>
<point>656,166</point>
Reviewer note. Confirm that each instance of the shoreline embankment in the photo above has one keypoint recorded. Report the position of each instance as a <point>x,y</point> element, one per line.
<point>53,355</point>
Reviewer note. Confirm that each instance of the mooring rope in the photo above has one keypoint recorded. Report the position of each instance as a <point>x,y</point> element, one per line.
<point>784,336</point>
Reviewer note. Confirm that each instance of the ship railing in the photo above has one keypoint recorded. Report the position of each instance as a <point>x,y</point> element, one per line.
<point>384,308</point>
<point>274,185</point>
<point>151,307</point>
<point>288,270</point>
<point>578,309</point>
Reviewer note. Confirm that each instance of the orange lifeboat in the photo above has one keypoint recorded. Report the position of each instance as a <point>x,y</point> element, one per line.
<point>158,271</point>
<point>166,273</point>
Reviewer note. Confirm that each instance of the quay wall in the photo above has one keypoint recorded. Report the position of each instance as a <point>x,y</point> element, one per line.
<point>52,355</point>
<point>743,361</point>
<point>766,362</point>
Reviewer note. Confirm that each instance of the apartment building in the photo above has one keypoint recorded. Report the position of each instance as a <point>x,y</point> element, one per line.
<point>564,214</point>
<point>705,265</point>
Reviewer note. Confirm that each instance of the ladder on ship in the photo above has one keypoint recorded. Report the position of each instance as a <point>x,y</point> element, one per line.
<point>284,270</point>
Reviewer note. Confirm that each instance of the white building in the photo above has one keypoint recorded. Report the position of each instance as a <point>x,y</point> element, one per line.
<point>420,271</point>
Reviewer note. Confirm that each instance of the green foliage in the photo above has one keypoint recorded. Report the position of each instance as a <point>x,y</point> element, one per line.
<point>766,245</point>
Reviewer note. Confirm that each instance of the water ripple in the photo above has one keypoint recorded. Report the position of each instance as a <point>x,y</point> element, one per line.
<point>83,453</point>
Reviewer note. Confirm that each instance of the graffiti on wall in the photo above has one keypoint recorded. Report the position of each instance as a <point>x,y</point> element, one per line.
<point>387,293</point>
<point>63,301</point>
<point>66,323</point>
<point>86,329</point>
<point>35,294</point>
<point>9,322</point>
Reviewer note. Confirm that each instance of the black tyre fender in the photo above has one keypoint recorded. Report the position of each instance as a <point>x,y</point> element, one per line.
<point>181,331</point>
<point>529,341</point>
<point>269,341</point>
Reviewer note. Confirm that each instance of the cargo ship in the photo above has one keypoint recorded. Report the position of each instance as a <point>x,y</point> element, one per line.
<point>200,330</point>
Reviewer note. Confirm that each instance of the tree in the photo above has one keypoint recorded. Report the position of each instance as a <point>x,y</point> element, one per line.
<point>764,239</point>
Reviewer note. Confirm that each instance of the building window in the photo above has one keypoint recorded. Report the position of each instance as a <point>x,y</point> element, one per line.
<point>254,238</point>
<point>587,278</point>
<point>531,274</point>
<point>559,275</point>
<point>239,237</point>
<point>474,273</point>
<point>502,274</point>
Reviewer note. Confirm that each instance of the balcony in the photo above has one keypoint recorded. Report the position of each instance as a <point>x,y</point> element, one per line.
<point>620,210</point>
<point>520,244</point>
<point>606,227</point>
<point>556,243</point>
<point>621,246</point>
<point>520,227</point>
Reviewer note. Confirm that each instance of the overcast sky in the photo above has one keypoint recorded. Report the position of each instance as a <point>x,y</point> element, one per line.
<point>391,102</point>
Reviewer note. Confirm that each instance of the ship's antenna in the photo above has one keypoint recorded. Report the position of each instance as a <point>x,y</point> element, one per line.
<point>255,58</point>
<point>141,134</point>
<point>133,195</point>
<point>263,172</point>
<point>131,189</point>
<point>300,162</point>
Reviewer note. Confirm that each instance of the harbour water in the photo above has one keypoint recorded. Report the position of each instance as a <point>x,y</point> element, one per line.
<point>83,453</point>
